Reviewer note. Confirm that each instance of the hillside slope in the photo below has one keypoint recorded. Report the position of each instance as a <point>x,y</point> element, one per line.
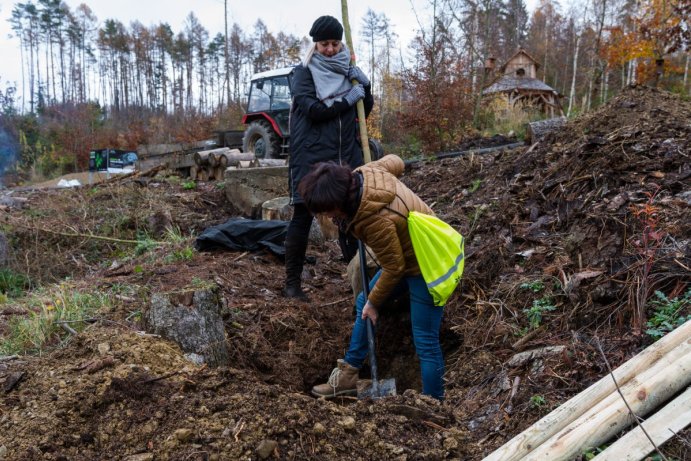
<point>566,241</point>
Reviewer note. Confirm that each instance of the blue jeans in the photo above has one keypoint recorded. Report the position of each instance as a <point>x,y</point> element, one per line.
<point>426,320</point>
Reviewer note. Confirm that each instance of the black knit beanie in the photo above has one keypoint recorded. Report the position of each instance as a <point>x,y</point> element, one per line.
<point>326,28</point>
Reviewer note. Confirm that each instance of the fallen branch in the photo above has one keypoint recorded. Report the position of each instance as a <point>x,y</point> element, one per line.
<point>67,328</point>
<point>530,335</point>
<point>87,236</point>
<point>159,378</point>
<point>336,302</point>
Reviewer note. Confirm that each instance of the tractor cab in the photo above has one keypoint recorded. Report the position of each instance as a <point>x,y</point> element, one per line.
<point>268,110</point>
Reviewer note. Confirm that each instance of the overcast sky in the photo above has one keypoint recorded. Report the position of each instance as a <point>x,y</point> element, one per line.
<point>289,16</point>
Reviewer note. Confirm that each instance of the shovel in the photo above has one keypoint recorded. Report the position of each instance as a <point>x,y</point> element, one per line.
<point>385,387</point>
<point>378,388</point>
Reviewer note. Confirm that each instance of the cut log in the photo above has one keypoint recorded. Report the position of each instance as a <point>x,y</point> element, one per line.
<point>210,157</point>
<point>526,441</point>
<point>194,169</point>
<point>272,162</point>
<point>210,171</point>
<point>203,175</point>
<point>234,158</point>
<point>223,160</point>
<point>603,421</point>
<point>219,171</point>
<point>201,158</point>
<point>538,130</point>
<point>662,426</point>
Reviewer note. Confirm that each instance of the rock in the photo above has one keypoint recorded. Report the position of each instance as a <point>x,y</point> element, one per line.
<point>103,348</point>
<point>195,358</point>
<point>450,444</point>
<point>3,452</point>
<point>183,435</point>
<point>319,428</point>
<point>266,448</point>
<point>348,423</point>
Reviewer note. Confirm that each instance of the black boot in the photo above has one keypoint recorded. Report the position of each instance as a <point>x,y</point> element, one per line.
<point>296,246</point>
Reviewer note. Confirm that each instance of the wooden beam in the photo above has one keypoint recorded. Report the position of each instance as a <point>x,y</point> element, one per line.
<point>528,440</point>
<point>662,426</point>
<point>603,421</point>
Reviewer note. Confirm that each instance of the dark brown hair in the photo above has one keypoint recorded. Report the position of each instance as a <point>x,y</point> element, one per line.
<point>327,188</point>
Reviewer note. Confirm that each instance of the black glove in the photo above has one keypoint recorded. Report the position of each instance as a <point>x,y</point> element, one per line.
<point>356,73</point>
<point>356,93</point>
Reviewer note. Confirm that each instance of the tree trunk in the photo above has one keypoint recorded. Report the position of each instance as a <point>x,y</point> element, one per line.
<point>572,93</point>
<point>535,435</point>
<point>686,73</point>
<point>225,17</point>
<point>193,320</point>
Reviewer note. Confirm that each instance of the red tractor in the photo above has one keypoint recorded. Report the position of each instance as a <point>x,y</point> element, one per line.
<point>268,111</point>
<point>267,129</point>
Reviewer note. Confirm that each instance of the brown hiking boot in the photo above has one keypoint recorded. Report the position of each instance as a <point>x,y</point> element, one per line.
<point>343,381</point>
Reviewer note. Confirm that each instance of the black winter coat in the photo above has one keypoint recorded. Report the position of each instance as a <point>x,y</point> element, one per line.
<point>319,133</point>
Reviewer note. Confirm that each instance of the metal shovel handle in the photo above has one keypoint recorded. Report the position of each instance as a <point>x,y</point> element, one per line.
<point>368,322</point>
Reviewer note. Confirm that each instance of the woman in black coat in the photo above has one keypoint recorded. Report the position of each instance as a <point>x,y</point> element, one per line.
<point>323,127</point>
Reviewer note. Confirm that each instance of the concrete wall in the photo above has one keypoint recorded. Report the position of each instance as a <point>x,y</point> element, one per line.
<point>248,188</point>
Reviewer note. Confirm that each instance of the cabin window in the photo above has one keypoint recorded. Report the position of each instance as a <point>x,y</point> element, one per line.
<point>520,72</point>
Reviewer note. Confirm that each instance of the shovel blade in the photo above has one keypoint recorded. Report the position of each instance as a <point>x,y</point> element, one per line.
<point>385,388</point>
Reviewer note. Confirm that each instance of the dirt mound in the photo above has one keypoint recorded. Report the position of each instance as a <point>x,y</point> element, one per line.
<point>565,241</point>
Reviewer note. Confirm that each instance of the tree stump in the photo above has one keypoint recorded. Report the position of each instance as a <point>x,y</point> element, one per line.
<point>277,208</point>
<point>192,319</point>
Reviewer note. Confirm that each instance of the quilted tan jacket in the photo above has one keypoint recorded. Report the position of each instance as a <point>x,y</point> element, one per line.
<point>380,222</point>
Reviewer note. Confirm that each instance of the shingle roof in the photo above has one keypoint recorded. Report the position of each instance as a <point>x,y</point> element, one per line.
<point>508,83</point>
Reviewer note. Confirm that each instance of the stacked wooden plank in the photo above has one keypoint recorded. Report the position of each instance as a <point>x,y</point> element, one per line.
<point>598,414</point>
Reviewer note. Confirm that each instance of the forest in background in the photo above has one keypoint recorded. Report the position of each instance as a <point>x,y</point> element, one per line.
<point>91,84</point>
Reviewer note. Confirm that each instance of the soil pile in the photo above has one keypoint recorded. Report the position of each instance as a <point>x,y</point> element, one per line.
<point>565,242</point>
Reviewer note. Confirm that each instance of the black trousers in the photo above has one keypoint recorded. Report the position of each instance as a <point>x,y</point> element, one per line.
<point>296,243</point>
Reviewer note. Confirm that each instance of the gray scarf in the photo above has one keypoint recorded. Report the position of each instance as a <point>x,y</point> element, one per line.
<point>330,76</point>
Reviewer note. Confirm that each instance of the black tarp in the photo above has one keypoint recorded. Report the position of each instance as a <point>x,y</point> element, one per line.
<point>242,234</point>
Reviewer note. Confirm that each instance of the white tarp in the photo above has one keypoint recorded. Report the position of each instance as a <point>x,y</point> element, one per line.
<point>69,183</point>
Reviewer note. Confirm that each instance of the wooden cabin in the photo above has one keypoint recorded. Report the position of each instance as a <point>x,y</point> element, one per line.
<point>517,81</point>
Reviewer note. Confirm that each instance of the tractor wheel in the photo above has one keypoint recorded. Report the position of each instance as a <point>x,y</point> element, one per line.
<point>376,150</point>
<point>261,139</point>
